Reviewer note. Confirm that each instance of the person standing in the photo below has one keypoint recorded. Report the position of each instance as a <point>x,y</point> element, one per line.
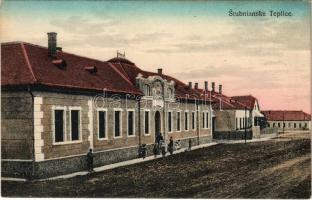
<point>90,161</point>
<point>170,145</point>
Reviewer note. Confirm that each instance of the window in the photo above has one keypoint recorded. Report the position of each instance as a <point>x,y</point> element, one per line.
<point>146,122</point>
<point>269,125</point>
<point>305,125</point>
<point>75,124</point>
<point>279,125</point>
<point>240,123</point>
<point>170,93</point>
<point>204,120</point>
<point>169,121</point>
<point>273,124</point>
<point>59,125</point>
<point>289,125</point>
<point>295,125</point>
<point>131,123</point>
<point>117,123</point>
<point>102,124</point>
<point>193,120</point>
<point>186,121</point>
<point>243,122</point>
<point>236,123</point>
<point>299,125</point>
<point>147,90</point>
<point>207,120</point>
<point>178,121</point>
<point>284,125</point>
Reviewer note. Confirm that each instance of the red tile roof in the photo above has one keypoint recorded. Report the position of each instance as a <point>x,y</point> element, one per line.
<point>130,70</point>
<point>287,115</point>
<point>227,103</point>
<point>28,64</point>
<point>248,100</point>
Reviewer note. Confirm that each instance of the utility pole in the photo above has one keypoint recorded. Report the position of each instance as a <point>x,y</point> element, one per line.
<point>245,125</point>
<point>283,121</point>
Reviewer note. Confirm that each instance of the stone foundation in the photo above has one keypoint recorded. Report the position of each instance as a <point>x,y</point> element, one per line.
<point>61,166</point>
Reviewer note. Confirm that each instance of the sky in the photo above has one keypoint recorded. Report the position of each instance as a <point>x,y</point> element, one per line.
<point>267,57</point>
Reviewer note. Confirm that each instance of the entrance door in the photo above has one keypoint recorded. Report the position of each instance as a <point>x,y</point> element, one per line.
<point>157,124</point>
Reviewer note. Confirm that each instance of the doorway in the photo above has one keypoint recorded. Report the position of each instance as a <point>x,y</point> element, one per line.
<point>157,124</point>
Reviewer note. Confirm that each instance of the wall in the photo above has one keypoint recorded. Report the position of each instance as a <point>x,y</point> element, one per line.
<point>69,156</point>
<point>16,125</point>
<point>287,128</point>
<point>240,114</point>
<point>89,123</point>
<point>225,120</point>
<point>50,149</point>
<point>110,141</point>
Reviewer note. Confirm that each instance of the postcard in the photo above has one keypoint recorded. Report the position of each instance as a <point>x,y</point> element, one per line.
<point>156,99</point>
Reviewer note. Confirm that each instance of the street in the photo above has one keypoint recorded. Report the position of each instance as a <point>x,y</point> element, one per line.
<point>278,168</point>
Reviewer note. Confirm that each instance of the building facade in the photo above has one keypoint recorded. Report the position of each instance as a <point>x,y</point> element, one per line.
<point>57,105</point>
<point>287,120</point>
<point>234,117</point>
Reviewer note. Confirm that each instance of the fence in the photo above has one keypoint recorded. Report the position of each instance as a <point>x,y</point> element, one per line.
<point>269,130</point>
<point>232,135</point>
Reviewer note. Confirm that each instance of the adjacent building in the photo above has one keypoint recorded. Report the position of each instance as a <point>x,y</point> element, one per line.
<point>286,120</point>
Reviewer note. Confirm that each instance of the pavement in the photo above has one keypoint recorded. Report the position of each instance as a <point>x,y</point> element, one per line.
<point>138,160</point>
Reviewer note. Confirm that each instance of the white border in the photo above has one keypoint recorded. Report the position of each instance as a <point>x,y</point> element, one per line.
<point>38,129</point>
<point>194,121</point>
<point>188,120</point>
<point>133,122</point>
<point>177,121</point>
<point>120,123</point>
<point>98,110</point>
<point>170,111</point>
<point>76,108</point>
<point>64,124</point>
<point>149,122</point>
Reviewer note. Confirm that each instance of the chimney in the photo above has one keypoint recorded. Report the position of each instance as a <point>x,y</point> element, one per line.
<point>220,89</point>
<point>196,86</point>
<point>206,85</point>
<point>190,85</point>
<point>52,43</point>
<point>159,71</point>
<point>212,86</point>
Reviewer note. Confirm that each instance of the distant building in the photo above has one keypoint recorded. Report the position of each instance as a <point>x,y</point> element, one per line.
<point>287,119</point>
<point>234,115</point>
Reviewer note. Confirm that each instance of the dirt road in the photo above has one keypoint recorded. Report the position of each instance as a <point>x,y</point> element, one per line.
<point>279,168</point>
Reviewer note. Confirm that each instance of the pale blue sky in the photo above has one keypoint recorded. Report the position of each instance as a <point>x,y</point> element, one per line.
<point>268,57</point>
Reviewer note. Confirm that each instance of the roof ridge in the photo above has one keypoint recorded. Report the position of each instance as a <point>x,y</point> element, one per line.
<point>13,42</point>
<point>43,47</point>
<point>27,61</point>
<point>282,111</point>
<point>122,75</point>
<point>124,71</point>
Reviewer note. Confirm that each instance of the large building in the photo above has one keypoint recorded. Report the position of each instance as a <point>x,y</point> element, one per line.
<point>57,105</point>
<point>288,119</point>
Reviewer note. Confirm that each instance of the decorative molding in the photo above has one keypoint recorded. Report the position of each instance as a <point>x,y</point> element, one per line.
<point>38,129</point>
<point>90,125</point>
